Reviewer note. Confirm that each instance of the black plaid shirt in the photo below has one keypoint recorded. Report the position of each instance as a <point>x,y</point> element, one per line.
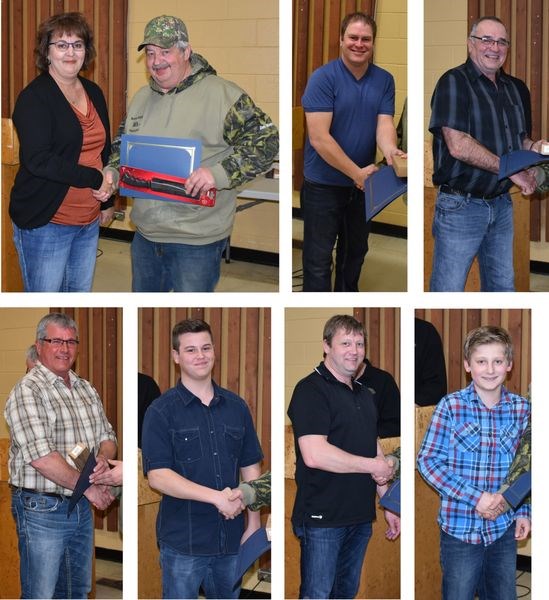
<point>467,101</point>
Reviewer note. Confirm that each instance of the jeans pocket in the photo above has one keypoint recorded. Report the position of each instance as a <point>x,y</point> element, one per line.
<point>450,202</point>
<point>38,503</point>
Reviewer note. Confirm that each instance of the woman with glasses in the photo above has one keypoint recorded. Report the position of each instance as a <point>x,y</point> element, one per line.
<point>60,195</point>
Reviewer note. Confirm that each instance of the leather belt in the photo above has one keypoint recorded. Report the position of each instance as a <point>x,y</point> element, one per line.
<point>446,189</point>
<point>49,494</point>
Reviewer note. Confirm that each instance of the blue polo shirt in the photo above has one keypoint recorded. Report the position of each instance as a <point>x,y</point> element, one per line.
<point>355,106</point>
<point>207,445</point>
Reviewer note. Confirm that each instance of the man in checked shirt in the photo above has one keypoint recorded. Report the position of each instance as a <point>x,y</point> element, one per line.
<point>465,456</point>
<point>48,412</point>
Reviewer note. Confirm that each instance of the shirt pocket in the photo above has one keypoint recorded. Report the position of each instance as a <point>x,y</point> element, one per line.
<point>187,445</point>
<point>234,439</point>
<point>467,437</point>
<point>508,438</point>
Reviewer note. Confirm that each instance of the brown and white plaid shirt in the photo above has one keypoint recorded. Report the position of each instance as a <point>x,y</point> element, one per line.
<point>44,416</point>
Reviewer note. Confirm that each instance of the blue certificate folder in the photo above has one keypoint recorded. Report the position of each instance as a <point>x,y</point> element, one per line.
<point>391,499</point>
<point>159,155</point>
<point>519,160</point>
<point>256,545</point>
<point>381,188</point>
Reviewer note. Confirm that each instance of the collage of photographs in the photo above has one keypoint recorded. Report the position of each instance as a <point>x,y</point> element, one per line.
<point>273,303</point>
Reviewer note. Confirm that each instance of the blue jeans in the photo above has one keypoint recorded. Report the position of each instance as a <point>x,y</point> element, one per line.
<point>164,267</point>
<point>183,575</point>
<point>465,227</point>
<point>331,559</point>
<point>57,258</point>
<point>55,551</point>
<point>489,571</point>
<point>333,213</point>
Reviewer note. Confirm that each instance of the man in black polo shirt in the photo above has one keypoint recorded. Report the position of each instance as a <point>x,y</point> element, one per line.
<point>339,466</point>
<point>477,116</point>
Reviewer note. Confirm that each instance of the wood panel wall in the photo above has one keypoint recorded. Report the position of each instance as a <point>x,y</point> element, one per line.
<point>316,26</point>
<point>528,59</point>
<point>383,337</point>
<point>242,339</point>
<point>100,362</point>
<point>108,19</point>
<point>453,325</point>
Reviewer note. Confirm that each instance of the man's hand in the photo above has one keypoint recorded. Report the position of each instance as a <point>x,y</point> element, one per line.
<point>490,506</point>
<point>522,528</point>
<point>200,181</point>
<point>536,146</point>
<point>250,529</point>
<point>363,174</point>
<point>99,496</point>
<point>102,464</point>
<point>526,181</point>
<point>227,507</point>
<point>236,494</point>
<point>394,152</point>
<point>106,216</point>
<point>382,471</point>
<point>112,476</point>
<point>107,188</point>
<point>393,522</point>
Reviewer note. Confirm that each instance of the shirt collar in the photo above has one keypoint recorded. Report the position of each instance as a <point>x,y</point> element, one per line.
<point>474,397</point>
<point>324,372</point>
<point>187,396</point>
<point>473,72</point>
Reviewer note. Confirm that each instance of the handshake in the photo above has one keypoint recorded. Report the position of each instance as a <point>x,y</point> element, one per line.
<point>491,506</point>
<point>384,469</point>
<point>230,502</point>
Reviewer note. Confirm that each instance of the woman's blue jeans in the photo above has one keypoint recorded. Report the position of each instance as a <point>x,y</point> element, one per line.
<point>489,571</point>
<point>166,267</point>
<point>465,227</point>
<point>331,559</point>
<point>57,258</point>
<point>183,575</point>
<point>55,551</point>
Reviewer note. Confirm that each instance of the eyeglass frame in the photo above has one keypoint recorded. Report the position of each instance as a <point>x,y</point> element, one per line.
<point>58,342</point>
<point>489,42</point>
<point>75,49</point>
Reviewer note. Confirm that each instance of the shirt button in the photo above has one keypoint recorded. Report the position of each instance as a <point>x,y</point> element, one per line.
<point>215,453</point>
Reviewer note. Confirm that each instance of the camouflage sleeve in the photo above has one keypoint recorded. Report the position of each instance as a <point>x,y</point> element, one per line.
<point>542,178</point>
<point>114,158</point>
<point>254,139</point>
<point>521,462</point>
<point>262,489</point>
<point>395,456</point>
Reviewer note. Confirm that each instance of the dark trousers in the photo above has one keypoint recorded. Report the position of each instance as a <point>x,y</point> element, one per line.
<point>333,213</point>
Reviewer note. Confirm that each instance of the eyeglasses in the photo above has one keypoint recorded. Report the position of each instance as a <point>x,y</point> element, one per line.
<point>489,42</point>
<point>58,342</point>
<point>63,46</point>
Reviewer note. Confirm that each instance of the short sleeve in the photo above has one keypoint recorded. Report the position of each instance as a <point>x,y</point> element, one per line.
<point>319,92</point>
<point>449,104</point>
<point>156,443</point>
<point>309,411</point>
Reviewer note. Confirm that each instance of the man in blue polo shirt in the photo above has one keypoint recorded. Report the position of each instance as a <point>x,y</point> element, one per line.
<point>349,105</point>
<point>197,439</point>
<point>339,466</point>
<point>478,114</point>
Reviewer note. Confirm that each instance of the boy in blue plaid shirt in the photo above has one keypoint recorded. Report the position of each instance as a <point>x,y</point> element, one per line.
<point>465,456</point>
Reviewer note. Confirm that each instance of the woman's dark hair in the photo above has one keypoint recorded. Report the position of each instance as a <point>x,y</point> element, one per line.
<point>70,23</point>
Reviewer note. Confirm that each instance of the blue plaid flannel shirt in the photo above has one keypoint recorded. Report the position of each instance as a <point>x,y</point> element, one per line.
<point>468,449</point>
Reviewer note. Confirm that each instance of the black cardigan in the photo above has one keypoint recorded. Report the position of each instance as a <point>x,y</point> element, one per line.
<point>50,138</point>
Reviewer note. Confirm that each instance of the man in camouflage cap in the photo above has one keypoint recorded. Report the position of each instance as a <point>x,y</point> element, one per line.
<point>178,246</point>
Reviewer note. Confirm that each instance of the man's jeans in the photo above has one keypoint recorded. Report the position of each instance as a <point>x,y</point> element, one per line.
<point>465,227</point>
<point>330,211</point>
<point>57,258</point>
<point>164,267</point>
<point>489,571</point>
<point>55,551</point>
<point>331,559</point>
<point>183,575</point>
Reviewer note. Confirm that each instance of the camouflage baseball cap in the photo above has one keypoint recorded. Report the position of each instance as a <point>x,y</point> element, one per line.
<point>164,31</point>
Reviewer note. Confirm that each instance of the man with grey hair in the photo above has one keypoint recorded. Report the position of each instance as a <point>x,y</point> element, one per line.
<point>477,116</point>
<point>49,411</point>
<point>178,246</point>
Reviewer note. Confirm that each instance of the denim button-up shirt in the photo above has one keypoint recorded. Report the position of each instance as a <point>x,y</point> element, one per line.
<point>468,449</point>
<point>207,445</point>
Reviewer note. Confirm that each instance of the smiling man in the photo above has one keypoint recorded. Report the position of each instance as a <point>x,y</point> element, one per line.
<point>197,439</point>
<point>349,105</point>
<point>177,246</point>
<point>48,412</point>
<point>477,116</point>
<point>339,466</point>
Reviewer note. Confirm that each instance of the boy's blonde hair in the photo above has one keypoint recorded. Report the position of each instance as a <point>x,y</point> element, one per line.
<point>487,334</point>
